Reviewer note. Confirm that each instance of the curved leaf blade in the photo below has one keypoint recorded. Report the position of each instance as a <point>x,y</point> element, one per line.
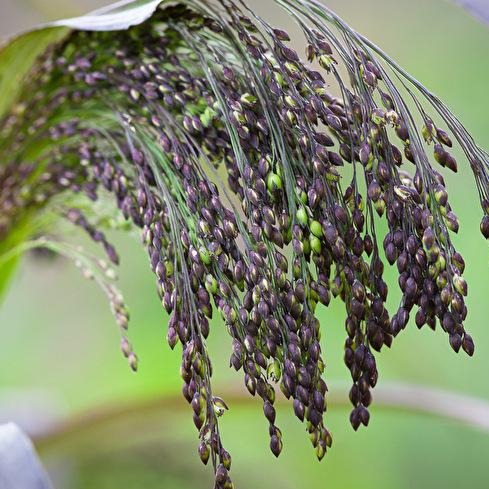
<point>17,58</point>
<point>18,54</point>
<point>118,16</point>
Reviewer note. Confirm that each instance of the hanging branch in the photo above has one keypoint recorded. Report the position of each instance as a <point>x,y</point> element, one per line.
<point>315,154</point>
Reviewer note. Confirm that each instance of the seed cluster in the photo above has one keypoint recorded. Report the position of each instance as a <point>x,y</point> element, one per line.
<point>157,115</point>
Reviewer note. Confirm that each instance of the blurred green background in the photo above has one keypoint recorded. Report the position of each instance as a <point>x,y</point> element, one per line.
<point>99,426</point>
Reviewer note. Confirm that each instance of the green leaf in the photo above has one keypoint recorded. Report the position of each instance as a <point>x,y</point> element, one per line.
<point>19,53</point>
<point>17,57</point>
<point>9,260</point>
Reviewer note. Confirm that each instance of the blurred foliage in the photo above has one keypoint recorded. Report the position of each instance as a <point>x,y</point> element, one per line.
<point>398,450</point>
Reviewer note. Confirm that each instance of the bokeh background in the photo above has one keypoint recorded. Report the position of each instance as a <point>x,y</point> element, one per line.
<point>98,426</point>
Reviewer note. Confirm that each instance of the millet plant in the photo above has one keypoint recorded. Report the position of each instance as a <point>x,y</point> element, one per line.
<point>258,178</point>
